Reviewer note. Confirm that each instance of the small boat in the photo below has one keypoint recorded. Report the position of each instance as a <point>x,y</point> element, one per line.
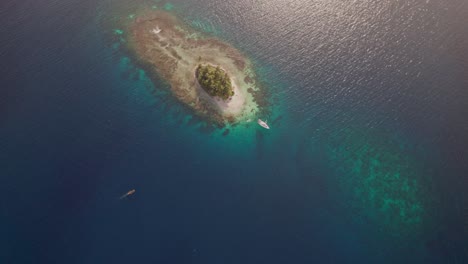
<point>263,124</point>
<point>127,194</point>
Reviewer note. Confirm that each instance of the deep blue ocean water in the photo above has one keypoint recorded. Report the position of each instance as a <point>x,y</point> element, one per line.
<point>366,161</point>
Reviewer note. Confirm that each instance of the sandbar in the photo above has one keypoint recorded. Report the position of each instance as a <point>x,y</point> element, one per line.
<point>173,50</point>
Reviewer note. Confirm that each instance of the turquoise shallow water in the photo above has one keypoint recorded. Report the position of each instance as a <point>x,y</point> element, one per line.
<point>365,161</point>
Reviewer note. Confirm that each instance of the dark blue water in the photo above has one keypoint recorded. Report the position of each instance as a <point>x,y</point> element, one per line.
<point>366,160</point>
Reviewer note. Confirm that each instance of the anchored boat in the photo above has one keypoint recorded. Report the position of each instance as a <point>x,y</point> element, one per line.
<point>263,124</point>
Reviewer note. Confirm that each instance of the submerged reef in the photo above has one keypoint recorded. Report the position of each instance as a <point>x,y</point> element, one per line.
<point>383,181</point>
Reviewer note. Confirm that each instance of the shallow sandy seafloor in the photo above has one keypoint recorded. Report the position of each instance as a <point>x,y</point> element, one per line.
<point>173,50</point>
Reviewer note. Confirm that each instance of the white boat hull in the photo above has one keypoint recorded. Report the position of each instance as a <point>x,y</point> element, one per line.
<point>263,124</point>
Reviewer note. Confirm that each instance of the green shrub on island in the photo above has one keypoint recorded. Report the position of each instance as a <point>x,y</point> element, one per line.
<point>214,81</point>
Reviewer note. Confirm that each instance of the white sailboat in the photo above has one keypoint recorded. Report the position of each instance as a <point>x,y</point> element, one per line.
<point>263,124</point>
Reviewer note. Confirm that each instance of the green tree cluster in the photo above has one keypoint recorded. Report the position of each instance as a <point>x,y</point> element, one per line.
<point>214,81</point>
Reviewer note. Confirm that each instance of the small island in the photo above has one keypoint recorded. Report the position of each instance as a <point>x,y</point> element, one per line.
<point>210,76</point>
<point>214,81</point>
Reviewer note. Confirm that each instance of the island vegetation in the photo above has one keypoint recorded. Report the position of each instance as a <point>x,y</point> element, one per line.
<point>215,81</point>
